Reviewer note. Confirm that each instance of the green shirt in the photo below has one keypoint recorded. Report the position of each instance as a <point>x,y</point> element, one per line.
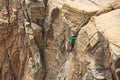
<point>72,39</point>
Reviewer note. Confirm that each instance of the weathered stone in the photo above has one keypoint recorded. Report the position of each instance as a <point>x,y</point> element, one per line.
<point>34,40</point>
<point>115,51</point>
<point>75,17</point>
<point>108,75</point>
<point>37,12</point>
<point>82,42</point>
<point>107,30</point>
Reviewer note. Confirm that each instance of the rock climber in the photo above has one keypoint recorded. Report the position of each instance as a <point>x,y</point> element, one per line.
<point>72,41</point>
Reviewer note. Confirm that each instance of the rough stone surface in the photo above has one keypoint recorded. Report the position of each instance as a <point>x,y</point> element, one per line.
<point>34,39</point>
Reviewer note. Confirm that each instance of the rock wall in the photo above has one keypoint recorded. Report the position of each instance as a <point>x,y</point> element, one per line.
<point>34,39</point>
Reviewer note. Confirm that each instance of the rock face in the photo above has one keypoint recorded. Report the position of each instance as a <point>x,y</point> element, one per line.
<point>34,40</point>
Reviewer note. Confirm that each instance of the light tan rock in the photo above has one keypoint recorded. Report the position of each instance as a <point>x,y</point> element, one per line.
<point>43,37</point>
<point>75,17</point>
<point>106,5</point>
<point>111,30</point>
<point>99,25</point>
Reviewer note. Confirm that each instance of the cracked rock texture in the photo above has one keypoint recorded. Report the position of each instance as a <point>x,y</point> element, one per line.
<point>34,39</point>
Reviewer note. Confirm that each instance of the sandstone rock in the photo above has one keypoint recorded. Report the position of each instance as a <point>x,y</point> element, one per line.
<point>70,12</point>
<point>109,31</point>
<point>97,25</point>
<point>106,6</point>
<point>34,40</point>
<point>88,76</point>
<point>74,16</point>
<point>37,12</point>
<point>115,51</point>
<point>108,75</point>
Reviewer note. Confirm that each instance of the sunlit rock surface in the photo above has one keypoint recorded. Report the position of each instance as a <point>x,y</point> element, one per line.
<point>34,40</point>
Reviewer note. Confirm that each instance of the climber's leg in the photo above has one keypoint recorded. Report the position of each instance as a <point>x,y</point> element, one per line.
<point>72,45</point>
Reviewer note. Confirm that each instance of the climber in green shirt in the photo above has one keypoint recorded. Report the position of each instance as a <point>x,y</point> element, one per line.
<point>72,41</point>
